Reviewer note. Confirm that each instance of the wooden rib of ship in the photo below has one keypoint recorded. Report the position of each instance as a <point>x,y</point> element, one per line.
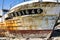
<point>33,18</point>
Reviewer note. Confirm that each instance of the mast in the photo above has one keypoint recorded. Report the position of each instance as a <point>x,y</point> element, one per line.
<point>57,1</point>
<point>40,1</point>
<point>2,4</point>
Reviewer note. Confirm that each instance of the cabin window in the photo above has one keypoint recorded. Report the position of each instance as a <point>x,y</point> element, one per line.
<point>33,12</point>
<point>24,12</point>
<point>19,13</point>
<point>13,14</point>
<point>9,14</point>
<point>38,10</point>
<point>30,11</point>
<point>27,13</point>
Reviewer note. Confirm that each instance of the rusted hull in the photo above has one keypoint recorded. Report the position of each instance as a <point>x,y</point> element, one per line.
<point>30,31</point>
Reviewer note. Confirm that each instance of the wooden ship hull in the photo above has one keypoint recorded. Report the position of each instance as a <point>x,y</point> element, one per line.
<point>33,18</point>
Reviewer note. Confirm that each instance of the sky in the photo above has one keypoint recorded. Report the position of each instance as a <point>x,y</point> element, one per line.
<point>10,3</point>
